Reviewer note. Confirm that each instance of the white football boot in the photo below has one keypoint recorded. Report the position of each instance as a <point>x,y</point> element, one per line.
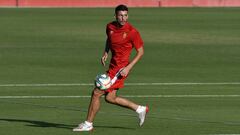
<point>142,112</point>
<point>85,126</point>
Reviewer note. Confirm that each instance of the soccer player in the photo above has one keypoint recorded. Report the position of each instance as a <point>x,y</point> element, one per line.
<point>122,37</point>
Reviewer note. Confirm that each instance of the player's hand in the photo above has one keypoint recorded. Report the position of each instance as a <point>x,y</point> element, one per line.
<point>125,71</point>
<point>104,59</point>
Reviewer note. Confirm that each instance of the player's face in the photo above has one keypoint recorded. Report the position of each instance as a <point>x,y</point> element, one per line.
<point>122,17</point>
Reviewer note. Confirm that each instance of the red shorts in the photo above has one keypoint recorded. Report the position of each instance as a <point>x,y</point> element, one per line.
<point>119,82</point>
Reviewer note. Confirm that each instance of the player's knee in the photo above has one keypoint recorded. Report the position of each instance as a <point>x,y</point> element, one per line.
<point>110,99</point>
<point>97,93</point>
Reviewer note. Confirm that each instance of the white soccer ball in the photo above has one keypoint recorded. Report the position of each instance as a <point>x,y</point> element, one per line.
<point>103,81</point>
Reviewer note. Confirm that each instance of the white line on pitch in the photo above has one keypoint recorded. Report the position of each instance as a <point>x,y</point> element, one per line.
<point>223,134</point>
<point>131,96</point>
<point>44,85</point>
<point>187,83</point>
<point>127,84</point>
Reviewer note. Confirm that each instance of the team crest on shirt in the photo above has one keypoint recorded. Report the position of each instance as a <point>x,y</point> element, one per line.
<point>111,32</point>
<point>125,35</point>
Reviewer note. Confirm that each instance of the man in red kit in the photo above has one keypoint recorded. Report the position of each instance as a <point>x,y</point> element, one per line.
<point>122,37</point>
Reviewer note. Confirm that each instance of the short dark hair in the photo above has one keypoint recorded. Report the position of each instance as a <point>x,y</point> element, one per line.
<point>121,8</point>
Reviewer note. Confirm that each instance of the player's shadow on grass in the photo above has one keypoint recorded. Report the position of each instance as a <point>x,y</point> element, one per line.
<point>42,124</point>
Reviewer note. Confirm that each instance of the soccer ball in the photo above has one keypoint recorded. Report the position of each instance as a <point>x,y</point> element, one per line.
<point>103,81</point>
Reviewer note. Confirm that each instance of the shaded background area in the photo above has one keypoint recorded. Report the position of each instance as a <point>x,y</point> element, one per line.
<point>113,3</point>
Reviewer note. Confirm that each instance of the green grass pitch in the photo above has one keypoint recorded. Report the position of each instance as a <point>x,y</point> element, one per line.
<point>191,54</point>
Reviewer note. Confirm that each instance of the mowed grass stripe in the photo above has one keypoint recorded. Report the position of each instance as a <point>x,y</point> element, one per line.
<point>129,96</point>
<point>132,84</point>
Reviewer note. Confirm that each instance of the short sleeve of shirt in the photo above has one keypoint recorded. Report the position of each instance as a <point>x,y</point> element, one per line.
<point>137,40</point>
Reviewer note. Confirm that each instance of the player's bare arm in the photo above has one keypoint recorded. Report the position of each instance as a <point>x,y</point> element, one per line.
<point>137,57</point>
<point>105,54</point>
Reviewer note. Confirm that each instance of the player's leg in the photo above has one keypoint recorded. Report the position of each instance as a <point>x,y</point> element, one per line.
<point>94,105</point>
<point>112,98</point>
<point>93,108</point>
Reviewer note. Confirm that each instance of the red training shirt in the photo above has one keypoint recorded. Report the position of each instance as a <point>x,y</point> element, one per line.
<point>121,41</point>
